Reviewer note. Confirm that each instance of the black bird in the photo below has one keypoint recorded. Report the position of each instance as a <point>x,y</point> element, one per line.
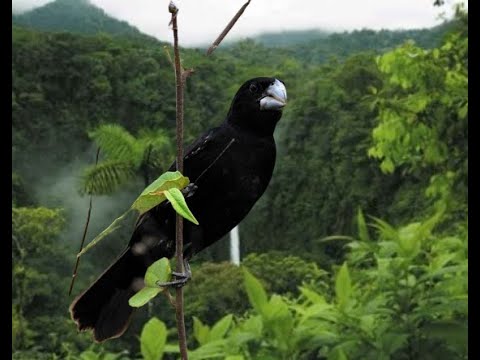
<point>230,167</point>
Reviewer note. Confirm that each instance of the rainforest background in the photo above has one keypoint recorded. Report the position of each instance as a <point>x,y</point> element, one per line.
<point>358,249</point>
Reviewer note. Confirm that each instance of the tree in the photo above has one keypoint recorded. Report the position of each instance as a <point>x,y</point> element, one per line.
<point>422,127</point>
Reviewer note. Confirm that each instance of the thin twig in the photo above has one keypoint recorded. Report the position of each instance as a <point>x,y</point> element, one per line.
<point>77,263</point>
<point>170,298</point>
<point>179,80</point>
<point>169,56</point>
<point>229,26</point>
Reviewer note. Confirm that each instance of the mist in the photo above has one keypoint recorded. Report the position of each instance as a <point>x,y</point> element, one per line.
<point>60,189</point>
<point>207,18</point>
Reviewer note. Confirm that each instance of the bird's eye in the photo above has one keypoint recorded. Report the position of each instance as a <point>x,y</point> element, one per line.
<point>253,88</point>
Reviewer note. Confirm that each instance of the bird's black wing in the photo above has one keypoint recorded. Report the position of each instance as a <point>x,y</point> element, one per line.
<point>198,154</point>
<point>197,158</point>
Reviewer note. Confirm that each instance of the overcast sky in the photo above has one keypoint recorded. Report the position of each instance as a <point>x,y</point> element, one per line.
<point>200,21</point>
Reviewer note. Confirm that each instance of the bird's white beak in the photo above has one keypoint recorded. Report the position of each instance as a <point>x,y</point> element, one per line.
<point>275,97</point>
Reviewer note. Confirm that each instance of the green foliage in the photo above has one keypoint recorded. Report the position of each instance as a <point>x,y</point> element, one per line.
<point>423,116</point>
<point>153,339</point>
<point>160,190</point>
<point>20,194</point>
<point>34,229</point>
<point>126,158</point>
<point>79,16</point>
<point>178,202</point>
<point>395,290</point>
<point>117,143</point>
<point>218,288</point>
<point>215,289</point>
<point>158,272</point>
<point>400,305</point>
<point>155,193</point>
<point>106,176</point>
<point>34,233</point>
<point>343,287</point>
<point>256,293</point>
<point>282,273</point>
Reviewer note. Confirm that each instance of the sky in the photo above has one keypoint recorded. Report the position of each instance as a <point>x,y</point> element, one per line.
<point>200,21</point>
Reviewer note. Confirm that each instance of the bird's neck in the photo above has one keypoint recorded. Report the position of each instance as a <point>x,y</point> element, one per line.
<point>261,124</point>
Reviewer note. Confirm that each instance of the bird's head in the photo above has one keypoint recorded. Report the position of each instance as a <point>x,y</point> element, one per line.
<point>258,105</point>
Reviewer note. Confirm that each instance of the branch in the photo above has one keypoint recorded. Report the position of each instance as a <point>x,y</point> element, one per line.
<point>77,263</point>
<point>229,26</point>
<point>180,78</point>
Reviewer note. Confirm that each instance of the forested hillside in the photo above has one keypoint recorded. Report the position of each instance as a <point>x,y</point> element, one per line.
<point>376,128</point>
<point>77,16</point>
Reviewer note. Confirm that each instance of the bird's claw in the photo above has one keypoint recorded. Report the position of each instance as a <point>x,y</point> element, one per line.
<point>181,279</point>
<point>189,190</point>
<point>177,283</point>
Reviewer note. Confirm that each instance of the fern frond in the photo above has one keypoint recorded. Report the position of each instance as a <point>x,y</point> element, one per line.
<point>159,150</point>
<point>157,139</point>
<point>106,177</point>
<point>117,143</point>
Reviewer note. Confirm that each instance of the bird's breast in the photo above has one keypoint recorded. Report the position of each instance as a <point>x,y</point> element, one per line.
<point>236,181</point>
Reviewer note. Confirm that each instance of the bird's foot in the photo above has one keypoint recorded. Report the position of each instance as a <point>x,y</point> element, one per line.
<point>181,279</point>
<point>189,190</point>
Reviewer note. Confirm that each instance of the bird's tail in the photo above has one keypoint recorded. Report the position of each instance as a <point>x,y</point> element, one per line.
<point>104,306</point>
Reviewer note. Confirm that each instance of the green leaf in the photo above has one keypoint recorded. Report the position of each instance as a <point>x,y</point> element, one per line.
<point>393,342</point>
<point>343,286</point>
<point>255,291</point>
<point>159,271</point>
<point>111,228</point>
<point>336,237</point>
<point>387,166</point>
<point>410,240</point>
<point>211,350</point>
<point>253,325</point>
<point>89,355</point>
<point>337,354</point>
<point>117,143</point>
<point>279,320</point>
<point>175,196</point>
<point>362,226</point>
<point>171,348</point>
<point>312,296</point>
<point>105,177</point>
<point>386,231</point>
<point>154,193</point>
<point>367,324</point>
<point>220,328</point>
<point>144,296</point>
<point>200,331</point>
<point>323,311</point>
<point>153,339</point>
<point>463,111</point>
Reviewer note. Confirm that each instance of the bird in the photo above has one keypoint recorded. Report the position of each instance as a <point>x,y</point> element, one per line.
<point>229,167</point>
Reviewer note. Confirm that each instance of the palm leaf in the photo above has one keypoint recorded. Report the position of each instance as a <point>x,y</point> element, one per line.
<point>157,139</point>
<point>106,177</point>
<point>117,143</point>
<point>158,150</point>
